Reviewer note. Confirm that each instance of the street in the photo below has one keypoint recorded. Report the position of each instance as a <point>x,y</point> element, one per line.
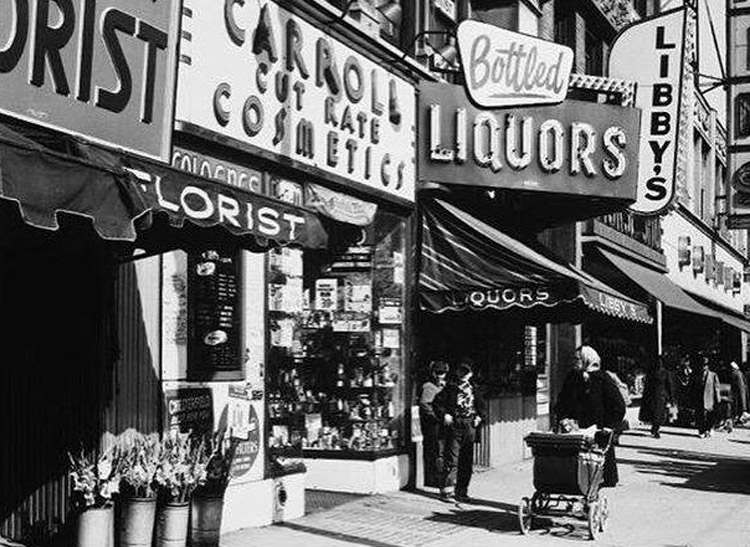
<point>677,491</point>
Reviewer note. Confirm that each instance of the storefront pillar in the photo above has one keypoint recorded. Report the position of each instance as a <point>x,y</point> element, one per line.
<point>659,331</point>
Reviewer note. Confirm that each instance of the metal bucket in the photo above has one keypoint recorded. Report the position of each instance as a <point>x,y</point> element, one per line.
<point>205,521</point>
<point>172,524</point>
<point>95,528</point>
<point>136,525</point>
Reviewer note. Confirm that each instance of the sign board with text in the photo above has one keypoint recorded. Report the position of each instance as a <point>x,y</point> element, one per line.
<point>267,81</point>
<point>650,53</point>
<point>504,68</point>
<point>102,70</point>
<point>583,148</point>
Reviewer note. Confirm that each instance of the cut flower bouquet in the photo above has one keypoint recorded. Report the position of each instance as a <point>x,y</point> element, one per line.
<point>182,466</point>
<point>96,478</point>
<point>140,456</point>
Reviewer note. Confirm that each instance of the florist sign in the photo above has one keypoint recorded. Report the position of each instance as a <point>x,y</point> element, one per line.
<point>100,69</point>
<point>585,149</point>
<point>268,81</point>
<point>503,68</point>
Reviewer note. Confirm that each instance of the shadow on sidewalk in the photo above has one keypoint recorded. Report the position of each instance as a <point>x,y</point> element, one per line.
<point>700,471</point>
<point>358,540</point>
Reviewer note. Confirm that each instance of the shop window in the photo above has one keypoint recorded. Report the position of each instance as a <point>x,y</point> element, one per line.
<point>214,315</point>
<point>565,27</point>
<point>336,362</point>
<point>594,55</point>
<point>742,115</point>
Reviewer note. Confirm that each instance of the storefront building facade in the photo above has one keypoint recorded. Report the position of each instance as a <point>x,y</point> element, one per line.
<point>325,329</point>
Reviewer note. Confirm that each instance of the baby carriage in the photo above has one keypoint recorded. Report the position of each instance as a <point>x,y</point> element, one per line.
<point>568,470</point>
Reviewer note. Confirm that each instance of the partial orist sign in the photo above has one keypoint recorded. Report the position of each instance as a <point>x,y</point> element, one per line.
<point>220,170</point>
<point>266,81</point>
<point>338,206</point>
<point>651,54</point>
<point>103,70</point>
<point>583,148</point>
<point>504,68</point>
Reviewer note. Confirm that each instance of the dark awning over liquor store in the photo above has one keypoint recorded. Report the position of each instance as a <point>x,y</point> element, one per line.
<point>469,265</point>
<point>141,202</point>
<point>671,295</point>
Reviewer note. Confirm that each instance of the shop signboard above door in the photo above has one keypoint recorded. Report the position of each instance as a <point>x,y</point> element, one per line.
<point>263,80</point>
<point>103,69</point>
<point>584,149</point>
<point>504,68</point>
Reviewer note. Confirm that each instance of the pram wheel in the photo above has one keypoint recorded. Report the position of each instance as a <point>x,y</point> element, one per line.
<point>525,515</point>
<point>596,526</point>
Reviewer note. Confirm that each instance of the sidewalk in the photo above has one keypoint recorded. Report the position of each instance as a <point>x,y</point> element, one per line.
<point>677,491</point>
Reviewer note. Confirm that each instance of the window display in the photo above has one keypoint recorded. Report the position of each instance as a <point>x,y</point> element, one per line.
<point>335,367</point>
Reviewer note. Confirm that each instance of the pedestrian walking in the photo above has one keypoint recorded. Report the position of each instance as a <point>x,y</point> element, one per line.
<point>460,410</point>
<point>590,397</point>
<point>707,398</point>
<point>657,394</point>
<point>739,393</point>
<point>433,441</point>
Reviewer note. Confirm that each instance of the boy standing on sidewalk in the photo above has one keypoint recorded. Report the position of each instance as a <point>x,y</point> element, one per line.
<point>460,411</point>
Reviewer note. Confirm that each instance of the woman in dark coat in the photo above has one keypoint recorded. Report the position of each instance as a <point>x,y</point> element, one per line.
<point>657,393</point>
<point>591,397</point>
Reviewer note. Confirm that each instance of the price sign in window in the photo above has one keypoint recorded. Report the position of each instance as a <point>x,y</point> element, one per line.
<point>214,314</point>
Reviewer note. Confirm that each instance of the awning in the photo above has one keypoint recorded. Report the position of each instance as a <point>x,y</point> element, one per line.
<point>657,285</point>
<point>469,265</point>
<point>185,199</point>
<point>43,184</point>
<point>728,315</point>
<point>152,205</point>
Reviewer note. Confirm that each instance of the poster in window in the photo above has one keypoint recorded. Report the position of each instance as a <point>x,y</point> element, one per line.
<point>326,294</point>
<point>244,427</point>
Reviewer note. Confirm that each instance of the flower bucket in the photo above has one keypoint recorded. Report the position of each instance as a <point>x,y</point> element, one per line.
<point>205,520</point>
<point>136,524</point>
<point>95,528</point>
<point>172,524</point>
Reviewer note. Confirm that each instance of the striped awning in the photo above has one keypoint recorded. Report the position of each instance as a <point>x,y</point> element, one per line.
<point>469,265</point>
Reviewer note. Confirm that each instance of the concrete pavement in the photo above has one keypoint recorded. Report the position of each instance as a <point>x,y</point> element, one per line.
<point>677,491</point>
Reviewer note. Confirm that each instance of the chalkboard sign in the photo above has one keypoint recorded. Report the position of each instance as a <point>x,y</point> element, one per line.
<point>214,313</point>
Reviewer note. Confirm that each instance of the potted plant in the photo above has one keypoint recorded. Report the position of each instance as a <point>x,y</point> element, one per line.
<point>139,456</point>
<point>208,500</point>
<point>96,478</point>
<point>181,469</point>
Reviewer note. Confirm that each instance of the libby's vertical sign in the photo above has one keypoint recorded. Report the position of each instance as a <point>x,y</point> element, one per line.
<point>651,53</point>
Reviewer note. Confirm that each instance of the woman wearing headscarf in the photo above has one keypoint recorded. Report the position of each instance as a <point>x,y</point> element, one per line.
<point>657,393</point>
<point>590,397</point>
